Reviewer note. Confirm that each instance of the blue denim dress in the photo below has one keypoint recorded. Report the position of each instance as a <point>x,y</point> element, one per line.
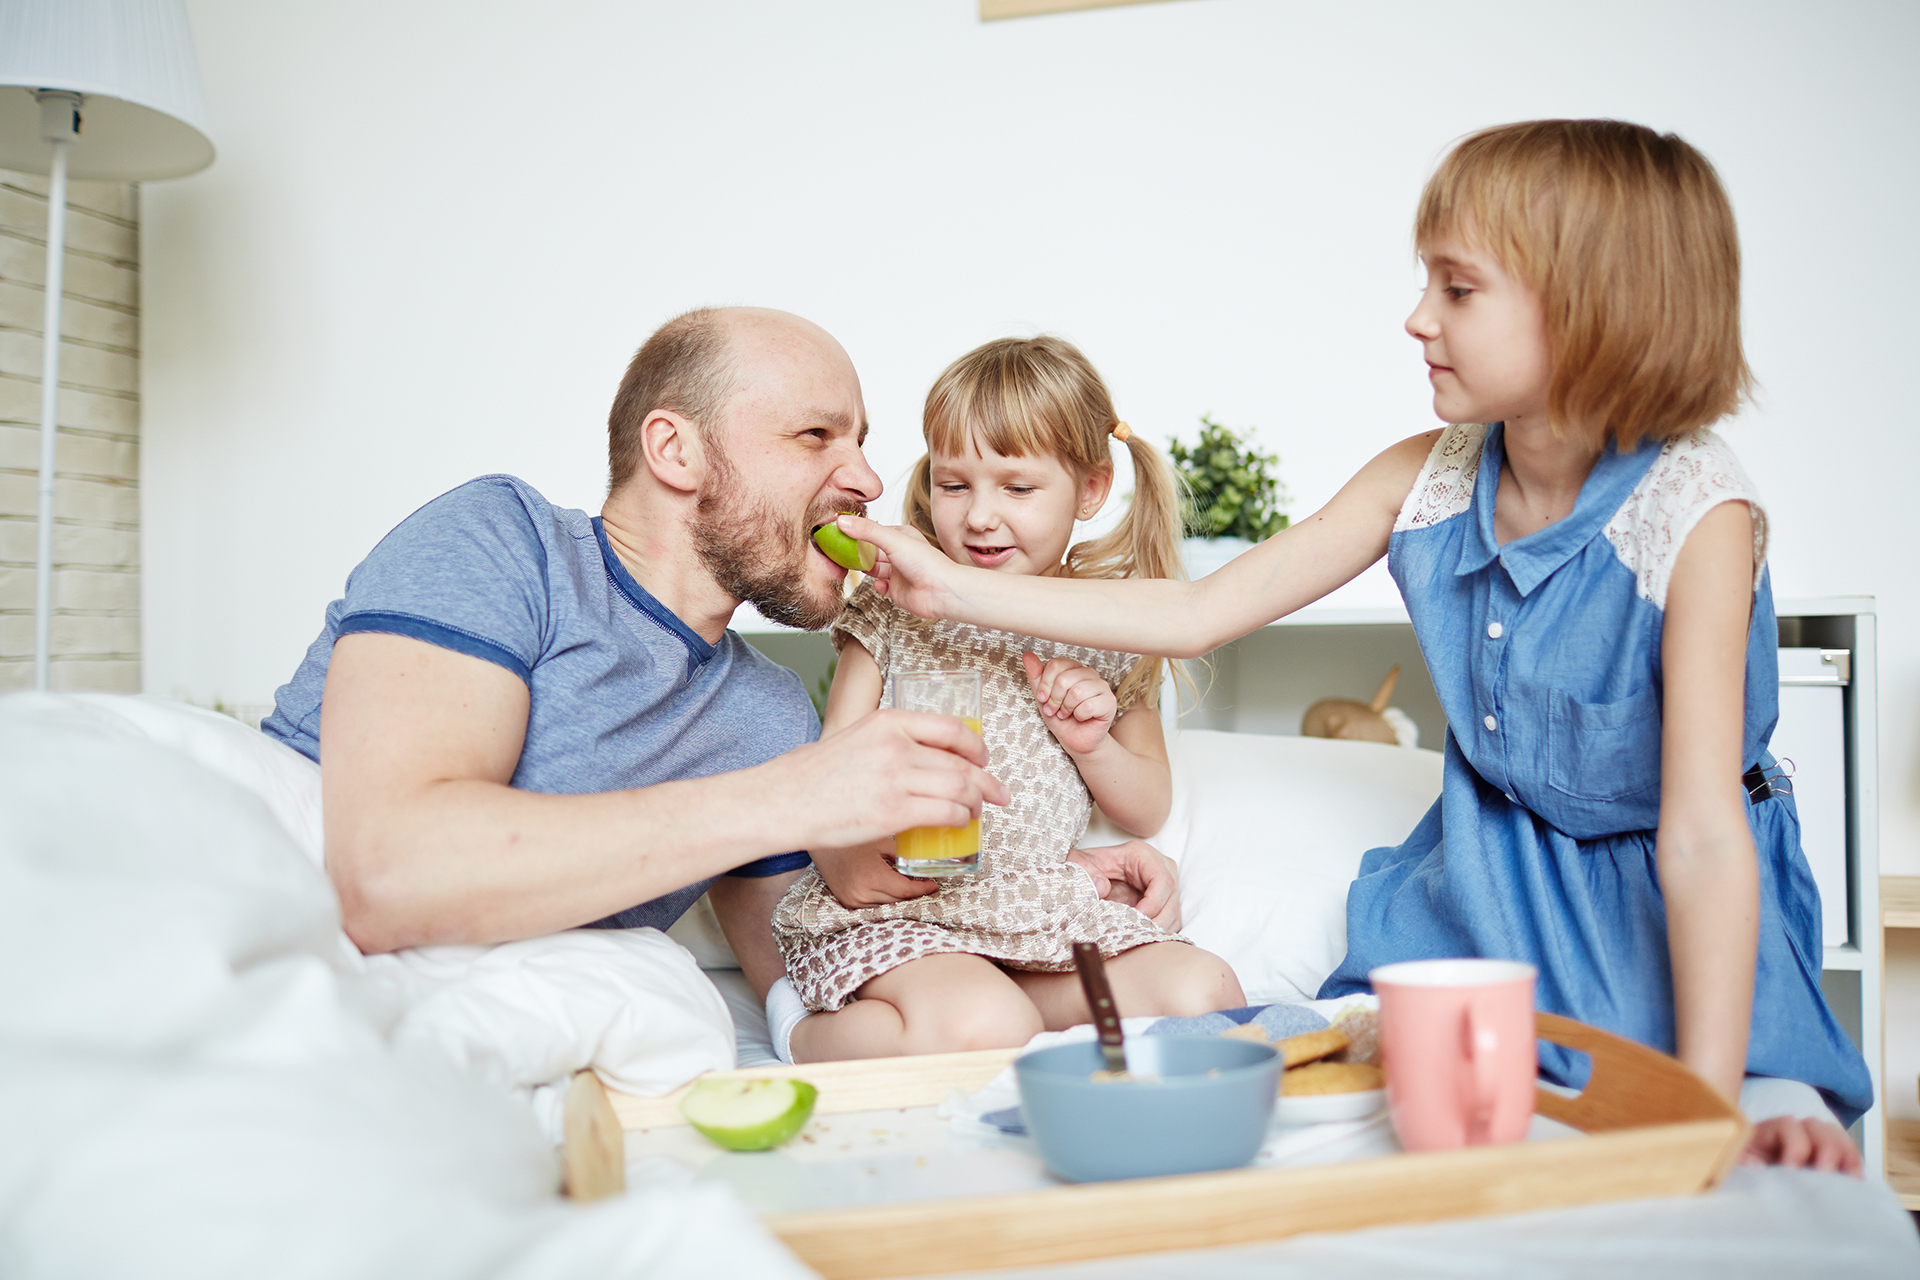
<point>1546,657</point>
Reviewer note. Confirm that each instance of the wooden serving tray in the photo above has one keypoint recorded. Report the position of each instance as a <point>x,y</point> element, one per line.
<point>1653,1128</point>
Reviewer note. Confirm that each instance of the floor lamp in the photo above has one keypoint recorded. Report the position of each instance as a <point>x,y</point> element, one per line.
<point>91,89</point>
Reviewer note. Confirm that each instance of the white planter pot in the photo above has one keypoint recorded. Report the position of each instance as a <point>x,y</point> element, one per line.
<point>1203,555</point>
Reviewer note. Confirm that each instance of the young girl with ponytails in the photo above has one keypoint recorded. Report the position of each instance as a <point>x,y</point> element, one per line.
<point>1019,434</point>
<point>1584,563</point>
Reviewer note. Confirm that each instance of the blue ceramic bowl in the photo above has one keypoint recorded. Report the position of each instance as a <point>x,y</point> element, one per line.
<point>1207,1109</point>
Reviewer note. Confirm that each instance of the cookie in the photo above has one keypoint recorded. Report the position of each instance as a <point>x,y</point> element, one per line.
<point>1331,1077</point>
<point>1295,1050</point>
<point>1363,1031</point>
<point>1246,1031</point>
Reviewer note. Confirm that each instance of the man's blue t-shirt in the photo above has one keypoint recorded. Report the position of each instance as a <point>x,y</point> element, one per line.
<point>622,693</point>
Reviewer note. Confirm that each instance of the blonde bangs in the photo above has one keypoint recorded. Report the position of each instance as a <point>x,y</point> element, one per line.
<point>1629,236</point>
<point>1492,194</point>
<point>983,402</point>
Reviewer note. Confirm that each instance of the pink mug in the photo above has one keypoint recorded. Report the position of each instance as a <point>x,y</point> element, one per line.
<point>1457,1041</point>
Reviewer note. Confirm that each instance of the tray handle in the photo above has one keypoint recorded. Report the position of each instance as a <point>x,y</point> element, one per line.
<point>1631,1086</point>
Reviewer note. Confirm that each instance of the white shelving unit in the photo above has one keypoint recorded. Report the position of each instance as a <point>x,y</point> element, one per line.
<point>1263,682</point>
<point>1855,971</point>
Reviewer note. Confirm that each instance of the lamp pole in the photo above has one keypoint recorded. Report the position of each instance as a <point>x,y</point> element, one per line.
<point>130,64</point>
<point>59,126</point>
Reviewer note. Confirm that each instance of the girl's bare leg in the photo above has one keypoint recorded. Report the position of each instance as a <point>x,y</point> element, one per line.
<point>937,1004</point>
<point>1159,978</point>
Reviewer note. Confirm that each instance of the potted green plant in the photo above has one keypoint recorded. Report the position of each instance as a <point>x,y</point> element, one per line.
<point>1232,496</point>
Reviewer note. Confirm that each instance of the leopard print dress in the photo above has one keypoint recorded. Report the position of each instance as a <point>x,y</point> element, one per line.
<point>1027,905</point>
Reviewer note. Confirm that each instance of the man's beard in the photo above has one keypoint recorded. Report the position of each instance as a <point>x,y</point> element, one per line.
<point>756,556</point>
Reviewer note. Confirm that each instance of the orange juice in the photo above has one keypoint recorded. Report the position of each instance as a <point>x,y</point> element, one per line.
<point>939,852</point>
<point>933,844</point>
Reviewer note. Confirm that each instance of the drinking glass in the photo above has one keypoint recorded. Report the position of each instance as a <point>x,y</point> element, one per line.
<point>939,853</point>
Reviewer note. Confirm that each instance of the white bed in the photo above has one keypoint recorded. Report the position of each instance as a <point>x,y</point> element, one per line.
<point>201,1077</point>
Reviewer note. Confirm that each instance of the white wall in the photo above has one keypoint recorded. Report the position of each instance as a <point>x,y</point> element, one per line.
<point>436,231</point>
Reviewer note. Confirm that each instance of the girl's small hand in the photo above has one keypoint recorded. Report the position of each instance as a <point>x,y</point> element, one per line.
<point>911,571</point>
<point>1793,1143</point>
<point>1076,703</point>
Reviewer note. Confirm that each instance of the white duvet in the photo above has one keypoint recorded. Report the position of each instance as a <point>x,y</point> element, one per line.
<point>200,1077</point>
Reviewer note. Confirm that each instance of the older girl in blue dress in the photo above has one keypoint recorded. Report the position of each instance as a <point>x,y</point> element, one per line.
<point>1586,575</point>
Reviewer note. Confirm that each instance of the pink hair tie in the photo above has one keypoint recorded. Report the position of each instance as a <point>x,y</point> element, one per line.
<point>1122,432</point>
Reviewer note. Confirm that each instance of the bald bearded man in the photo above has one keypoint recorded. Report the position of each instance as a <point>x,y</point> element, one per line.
<point>528,719</point>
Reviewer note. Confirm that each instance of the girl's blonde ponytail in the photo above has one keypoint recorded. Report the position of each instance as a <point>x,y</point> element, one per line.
<point>1145,544</point>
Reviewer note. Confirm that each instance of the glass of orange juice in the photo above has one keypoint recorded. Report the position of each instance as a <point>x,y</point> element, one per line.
<point>939,853</point>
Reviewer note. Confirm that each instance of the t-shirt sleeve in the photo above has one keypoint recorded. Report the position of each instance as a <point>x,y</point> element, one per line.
<point>868,618</point>
<point>466,572</point>
<point>773,866</point>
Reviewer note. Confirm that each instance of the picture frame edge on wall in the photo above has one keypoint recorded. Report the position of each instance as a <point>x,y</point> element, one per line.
<point>996,10</point>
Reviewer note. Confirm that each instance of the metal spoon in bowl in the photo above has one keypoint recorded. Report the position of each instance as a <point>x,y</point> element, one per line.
<point>1106,1018</point>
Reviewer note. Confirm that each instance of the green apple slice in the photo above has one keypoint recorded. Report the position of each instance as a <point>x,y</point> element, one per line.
<point>844,551</point>
<point>749,1115</point>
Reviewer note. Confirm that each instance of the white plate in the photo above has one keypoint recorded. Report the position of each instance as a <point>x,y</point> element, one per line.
<point>1318,1108</point>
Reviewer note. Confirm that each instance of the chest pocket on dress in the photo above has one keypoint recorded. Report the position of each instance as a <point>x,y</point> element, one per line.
<point>1604,750</point>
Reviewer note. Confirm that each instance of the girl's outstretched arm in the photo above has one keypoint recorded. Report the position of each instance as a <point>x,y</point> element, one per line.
<point>1704,848</point>
<point>1161,616</point>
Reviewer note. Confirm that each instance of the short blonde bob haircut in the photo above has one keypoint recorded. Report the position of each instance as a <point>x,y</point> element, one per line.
<point>1040,397</point>
<point>1629,238</point>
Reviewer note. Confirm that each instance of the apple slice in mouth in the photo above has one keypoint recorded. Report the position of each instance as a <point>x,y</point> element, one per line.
<point>848,553</point>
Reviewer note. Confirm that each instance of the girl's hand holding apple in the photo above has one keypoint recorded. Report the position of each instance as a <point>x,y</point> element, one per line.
<point>910,571</point>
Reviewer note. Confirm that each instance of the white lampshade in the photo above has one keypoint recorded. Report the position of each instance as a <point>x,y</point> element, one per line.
<point>132,59</point>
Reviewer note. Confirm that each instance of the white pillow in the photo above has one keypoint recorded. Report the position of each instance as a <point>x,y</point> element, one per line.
<point>1269,832</point>
<point>285,781</point>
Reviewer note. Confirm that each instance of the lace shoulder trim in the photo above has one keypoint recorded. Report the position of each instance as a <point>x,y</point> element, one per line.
<point>1693,475</point>
<point>1445,486</point>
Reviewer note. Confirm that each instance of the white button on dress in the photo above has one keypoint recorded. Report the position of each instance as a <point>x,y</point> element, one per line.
<point>1494,630</point>
<point>1491,723</point>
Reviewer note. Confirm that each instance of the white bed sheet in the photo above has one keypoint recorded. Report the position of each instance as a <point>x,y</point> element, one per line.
<point>752,1044</point>
<point>1762,1224</point>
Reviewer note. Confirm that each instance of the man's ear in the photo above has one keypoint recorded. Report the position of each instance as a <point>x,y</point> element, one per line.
<point>1094,488</point>
<point>673,450</point>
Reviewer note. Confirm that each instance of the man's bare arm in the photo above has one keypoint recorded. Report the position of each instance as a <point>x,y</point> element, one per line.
<point>427,843</point>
